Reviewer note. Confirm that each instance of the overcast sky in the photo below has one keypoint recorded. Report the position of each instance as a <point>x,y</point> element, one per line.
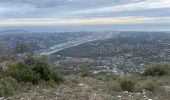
<point>77,15</point>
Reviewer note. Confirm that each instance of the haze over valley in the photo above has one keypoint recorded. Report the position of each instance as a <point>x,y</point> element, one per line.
<point>112,51</point>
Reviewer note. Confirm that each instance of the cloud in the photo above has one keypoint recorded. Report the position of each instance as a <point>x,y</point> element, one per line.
<point>84,12</point>
<point>58,8</point>
<point>55,3</point>
<point>111,20</point>
<point>1,10</point>
<point>149,4</point>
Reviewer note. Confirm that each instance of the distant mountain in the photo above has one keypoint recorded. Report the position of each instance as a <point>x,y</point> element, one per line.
<point>14,31</point>
<point>48,42</point>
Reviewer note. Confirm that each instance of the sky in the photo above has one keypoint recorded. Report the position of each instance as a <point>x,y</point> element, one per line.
<point>85,15</point>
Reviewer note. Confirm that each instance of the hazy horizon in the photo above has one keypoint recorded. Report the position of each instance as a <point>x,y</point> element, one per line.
<point>78,28</point>
<point>85,15</point>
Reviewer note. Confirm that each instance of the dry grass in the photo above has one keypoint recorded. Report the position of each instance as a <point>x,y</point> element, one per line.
<point>87,88</point>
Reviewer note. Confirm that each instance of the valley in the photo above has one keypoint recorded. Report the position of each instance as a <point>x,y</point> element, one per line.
<point>118,52</point>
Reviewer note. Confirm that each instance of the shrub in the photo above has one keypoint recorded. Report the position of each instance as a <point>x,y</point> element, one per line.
<point>8,86</point>
<point>127,84</point>
<point>50,83</point>
<point>33,72</point>
<point>152,85</point>
<point>75,80</point>
<point>45,70</point>
<point>158,69</point>
<point>107,77</point>
<point>85,71</point>
<point>54,75</point>
<point>23,73</point>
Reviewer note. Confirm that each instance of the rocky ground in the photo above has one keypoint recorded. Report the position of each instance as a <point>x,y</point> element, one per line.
<point>87,88</point>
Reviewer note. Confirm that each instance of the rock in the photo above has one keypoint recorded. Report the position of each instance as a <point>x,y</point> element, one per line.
<point>2,98</point>
<point>138,93</point>
<point>83,85</point>
<point>166,87</point>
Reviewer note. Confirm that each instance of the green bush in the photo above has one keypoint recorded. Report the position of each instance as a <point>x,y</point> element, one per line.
<point>50,83</point>
<point>45,70</point>
<point>25,75</point>
<point>151,86</point>
<point>39,70</point>
<point>8,86</point>
<point>56,77</point>
<point>33,72</point>
<point>22,73</point>
<point>127,84</point>
<point>75,80</point>
<point>107,77</point>
<point>42,66</point>
<point>158,69</point>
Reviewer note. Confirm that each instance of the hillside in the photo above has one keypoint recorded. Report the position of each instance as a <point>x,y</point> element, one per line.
<point>133,44</point>
<point>46,42</point>
<point>128,50</point>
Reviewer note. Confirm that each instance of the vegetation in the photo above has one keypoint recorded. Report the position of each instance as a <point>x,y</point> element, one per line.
<point>46,72</point>
<point>40,69</point>
<point>16,78</point>
<point>151,86</point>
<point>8,86</point>
<point>158,69</point>
<point>127,84</point>
<point>26,68</point>
<point>22,72</point>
